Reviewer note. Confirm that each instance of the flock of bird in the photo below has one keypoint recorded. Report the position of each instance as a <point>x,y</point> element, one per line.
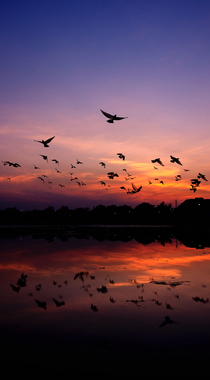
<point>85,275</point>
<point>133,189</point>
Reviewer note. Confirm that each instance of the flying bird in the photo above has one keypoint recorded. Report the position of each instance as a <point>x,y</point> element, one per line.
<point>112,117</point>
<point>193,188</point>
<point>45,142</point>
<point>16,165</point>
<point>174,159</point>
<point>56,161</point>
<point>102,164</point>
<point>42,179</point>
<point>202,176</point>
<point>111,175</point>
<point>195,182</point>
<point>44,157</point>
<point>36,167</point>
<point>158,161</point>
<point>136,189</point>
<point>121,156</point>
<point>79,162</point>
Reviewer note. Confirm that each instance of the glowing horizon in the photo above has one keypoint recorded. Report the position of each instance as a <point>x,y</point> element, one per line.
<point>56,77</point>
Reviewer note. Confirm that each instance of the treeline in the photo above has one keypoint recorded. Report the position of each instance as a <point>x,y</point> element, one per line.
<point>192,211</point>
<point>144,213</point>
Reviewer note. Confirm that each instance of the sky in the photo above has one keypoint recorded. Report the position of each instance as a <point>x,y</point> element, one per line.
<point>64,61</point>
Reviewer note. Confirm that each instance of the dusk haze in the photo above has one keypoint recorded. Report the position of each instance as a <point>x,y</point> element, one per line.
<point>64,62</point>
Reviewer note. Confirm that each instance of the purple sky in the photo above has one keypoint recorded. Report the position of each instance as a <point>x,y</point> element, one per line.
<point>61,62</point>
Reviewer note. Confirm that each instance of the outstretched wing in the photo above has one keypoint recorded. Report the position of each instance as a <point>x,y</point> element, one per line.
<point>47,141</point>
<point>119,118</point>
<point>134,187</point>
<point>107,114</point>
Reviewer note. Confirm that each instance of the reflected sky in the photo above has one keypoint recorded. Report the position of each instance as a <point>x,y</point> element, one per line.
<point>143,285</point>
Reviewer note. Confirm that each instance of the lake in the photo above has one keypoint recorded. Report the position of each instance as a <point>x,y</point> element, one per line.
<point>110,305</point>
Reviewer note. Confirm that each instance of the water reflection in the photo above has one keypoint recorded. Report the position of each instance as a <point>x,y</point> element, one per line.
<point>103,301</point>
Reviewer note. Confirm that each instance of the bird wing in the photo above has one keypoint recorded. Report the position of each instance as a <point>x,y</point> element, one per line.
<point>119,118</point>
<point>47,141</point>
<point>107,114</point>
<point>134,187</point>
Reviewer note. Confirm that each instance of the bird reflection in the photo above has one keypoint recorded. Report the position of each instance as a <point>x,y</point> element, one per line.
<point>168,321</point>
<point>15,288</point>
<point>58,303</point>
<point>93,307</point>
<point>41,304</point>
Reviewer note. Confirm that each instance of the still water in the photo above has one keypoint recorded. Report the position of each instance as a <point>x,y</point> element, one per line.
<point>103,302</point>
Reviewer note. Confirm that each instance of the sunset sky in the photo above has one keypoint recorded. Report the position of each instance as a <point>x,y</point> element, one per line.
<point>63,61</point>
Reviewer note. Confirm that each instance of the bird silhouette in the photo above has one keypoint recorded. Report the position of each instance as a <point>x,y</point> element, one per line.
<point>121,156</point>
<point>72,166</point>
<point>174,159</point>
<point>136,189</point>
<point>44,157</point>
<point>45,142</point>
<point>42,179</point>
<point>195,182</point>
<point>16,165</point>
<point>193,188</point>
<point>56,161</point>
<point>112,117</point>
<point>58,171</point>
<point>202,176</point>
<point>36,167</point>
<point>158,161</point>
<point>79,162</point>
<point>102,164</point>
<point>111,175</point>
